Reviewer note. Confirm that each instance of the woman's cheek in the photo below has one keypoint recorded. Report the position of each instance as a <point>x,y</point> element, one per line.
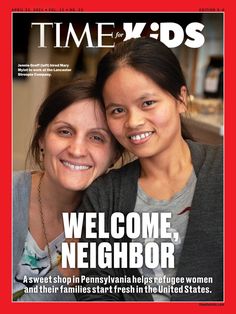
<point>114,126</point>
<point>159,121</point>
<point>161,118</point>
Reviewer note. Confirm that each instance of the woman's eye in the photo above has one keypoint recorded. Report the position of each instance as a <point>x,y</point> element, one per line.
<point>65,132</point>
<point>148,103</point>
<point>97,138</point>
<point>117,110</point>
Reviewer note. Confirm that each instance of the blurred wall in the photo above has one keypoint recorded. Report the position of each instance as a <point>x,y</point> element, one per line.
<point>27,96</point>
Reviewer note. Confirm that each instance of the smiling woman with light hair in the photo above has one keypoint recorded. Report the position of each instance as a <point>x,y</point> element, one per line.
<point>72,145</point>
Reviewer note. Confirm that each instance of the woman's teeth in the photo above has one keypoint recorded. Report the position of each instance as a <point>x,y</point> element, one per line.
<point>140,136</point>
<point>75,167</point>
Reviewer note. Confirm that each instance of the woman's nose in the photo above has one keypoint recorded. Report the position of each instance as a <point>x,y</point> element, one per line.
<point>135,119</point>
<point>77,148</point>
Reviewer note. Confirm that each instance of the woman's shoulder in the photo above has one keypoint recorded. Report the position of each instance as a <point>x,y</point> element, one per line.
<point>21,181</point>
<point>206,156</point>
<point>130,170</point>
<point>118,177</point>
<point>113,191</point>
<point>21,194</point>
<point>208,150</point>
<point>21,176</point>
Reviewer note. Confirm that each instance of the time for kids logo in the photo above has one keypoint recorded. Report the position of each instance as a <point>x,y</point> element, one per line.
<point>170,33</point>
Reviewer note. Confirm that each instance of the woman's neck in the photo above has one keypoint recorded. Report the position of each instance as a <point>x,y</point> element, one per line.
<point>167,163</point>
<point>54,198</point>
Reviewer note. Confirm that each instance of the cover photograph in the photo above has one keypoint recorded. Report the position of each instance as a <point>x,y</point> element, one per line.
<point>117,157</point>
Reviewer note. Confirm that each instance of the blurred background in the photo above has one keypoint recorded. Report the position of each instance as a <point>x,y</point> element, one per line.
<point>203,67</point>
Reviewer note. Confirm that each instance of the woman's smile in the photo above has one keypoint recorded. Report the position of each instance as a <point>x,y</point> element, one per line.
<point>140,138</point>
<point>75,166</point>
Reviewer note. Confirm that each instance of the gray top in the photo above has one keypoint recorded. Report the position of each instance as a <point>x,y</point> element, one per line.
<point>21,198</point>
<point>178,205</point>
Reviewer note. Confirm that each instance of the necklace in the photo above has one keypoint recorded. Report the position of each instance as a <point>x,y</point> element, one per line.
<point>42,219</point>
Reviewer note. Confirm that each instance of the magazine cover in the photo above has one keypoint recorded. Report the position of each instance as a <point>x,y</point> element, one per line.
<point>117,157</point>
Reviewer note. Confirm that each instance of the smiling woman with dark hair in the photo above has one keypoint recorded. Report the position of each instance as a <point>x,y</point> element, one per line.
<point>144,93</point>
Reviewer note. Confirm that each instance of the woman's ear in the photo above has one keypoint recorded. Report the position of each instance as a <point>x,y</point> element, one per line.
<point>182,102</point>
